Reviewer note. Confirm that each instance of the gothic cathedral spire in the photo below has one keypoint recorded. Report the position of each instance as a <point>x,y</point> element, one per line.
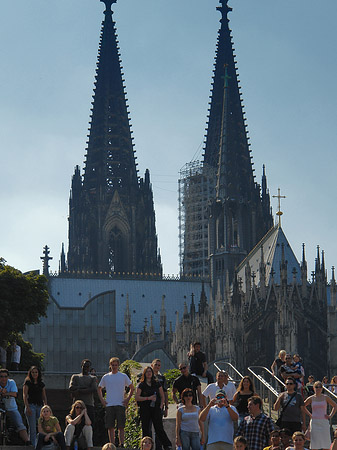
<point>111,210</point>
<point>239,215</point>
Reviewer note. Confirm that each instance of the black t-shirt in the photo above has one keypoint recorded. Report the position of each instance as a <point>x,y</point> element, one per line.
<point>196,363</point>
<point>35,392</point>
<point>148,391</point>
<point>191,382</point>
<point>162,380</point>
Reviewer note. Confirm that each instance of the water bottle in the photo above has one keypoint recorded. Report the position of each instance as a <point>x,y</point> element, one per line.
<point>75,445</point>
<point>153,402</point>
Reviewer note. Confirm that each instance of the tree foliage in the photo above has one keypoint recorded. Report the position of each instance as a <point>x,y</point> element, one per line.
<point>23,300</point>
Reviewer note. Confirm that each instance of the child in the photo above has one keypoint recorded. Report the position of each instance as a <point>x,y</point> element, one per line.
<point>240,443</point>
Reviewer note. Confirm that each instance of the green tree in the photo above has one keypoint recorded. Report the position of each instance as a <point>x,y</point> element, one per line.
<point>23,300</point>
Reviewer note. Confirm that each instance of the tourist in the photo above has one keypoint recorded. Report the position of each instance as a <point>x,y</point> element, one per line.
<point>309,387</point>
<point>285,436</point>
<point>325,382</point>
<point>319,423</point>
<point>146,443</point>
<point>298,441</point>
<point>221,417</point>
<point>3,355</point>
<point>109,446</point>
<point>156,365</point>
<point>240,443</point>
<point>186,380</point>
<point>189,428</point>
<point>274,441</point>
<point>34,397</point>
<point>278,362</point>
<point>292,408</point>
<point>49,430</point>
<point>15,356</point>
<point>222,382</point>
<point>243,393</point>
<point>78,425</point>
<point>8,394</point>
<point>299,367</point>
<point>114,383</point>
<point>289,369</point>
<point>198,363</point>
<point>83,386</point>
<point>256,427</point>
<point>333,384</point>
<point>151,400</point>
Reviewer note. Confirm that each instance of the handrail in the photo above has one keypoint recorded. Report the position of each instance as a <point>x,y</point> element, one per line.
<point>228,364</point>
<point>265,384</point>
<point>330,392</point>
<point>262,380</point>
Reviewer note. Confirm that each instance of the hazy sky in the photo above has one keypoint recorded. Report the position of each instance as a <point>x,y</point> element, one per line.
<point>286,54</point>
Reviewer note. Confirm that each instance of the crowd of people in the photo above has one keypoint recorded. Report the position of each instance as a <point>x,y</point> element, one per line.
<point>221,416</point>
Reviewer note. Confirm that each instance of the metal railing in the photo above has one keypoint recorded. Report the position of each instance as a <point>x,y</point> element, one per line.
<point>224,366</point>
<point>266,390</point>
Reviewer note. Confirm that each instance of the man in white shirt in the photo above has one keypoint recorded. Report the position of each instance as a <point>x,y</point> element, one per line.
<point>115,402</point>
<point>16,356</point>
<point>223,383</point>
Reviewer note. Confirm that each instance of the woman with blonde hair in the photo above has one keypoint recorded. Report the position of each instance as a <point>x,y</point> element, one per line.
<point>278,362</point>
<point>319,423</point>
<point>298,439</point>
<point>78,425</point>
<point>49,429</point>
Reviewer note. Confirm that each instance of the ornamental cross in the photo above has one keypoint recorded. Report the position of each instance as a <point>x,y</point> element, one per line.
<point>279,212</point>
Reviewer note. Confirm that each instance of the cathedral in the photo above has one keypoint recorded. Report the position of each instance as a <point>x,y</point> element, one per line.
<point>111,213</point>
<point>241,291</point>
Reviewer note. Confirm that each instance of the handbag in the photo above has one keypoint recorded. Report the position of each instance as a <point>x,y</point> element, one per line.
<point>279,420</point>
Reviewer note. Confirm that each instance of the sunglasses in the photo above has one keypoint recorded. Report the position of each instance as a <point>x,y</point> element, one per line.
<point>3,376</point>
<point>78,407</point>
<point>318,387</point>
<point>289,384</point>
<point>182,368</point>
<point>219,397</point>
<point>188,395</point>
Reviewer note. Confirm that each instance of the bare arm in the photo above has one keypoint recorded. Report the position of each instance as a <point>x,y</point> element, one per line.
<point>100,396</point>
<point>306,403</point>
<point>174,391</point>
<point>200,397</point>
<point>303,418</point>
<point>178,424</point>
<point>77,419</point>
<point>44,396</point>
<point>131,391</point>
<point>205,411</point>
<point>86,417</point>
<point>139,398</point>
<point>25,397</point>
<point>334,407</point>
<point>162,397</point>
<point>277,404</point>
<point>202,431</point>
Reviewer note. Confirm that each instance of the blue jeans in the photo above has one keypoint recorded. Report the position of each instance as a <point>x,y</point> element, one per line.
<point>32,421</point>
<point>16,419</point>
<point>189,439</point>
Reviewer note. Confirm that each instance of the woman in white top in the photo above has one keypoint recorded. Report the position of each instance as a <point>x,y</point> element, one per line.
<point>188,424</point>
<point>319,423</point>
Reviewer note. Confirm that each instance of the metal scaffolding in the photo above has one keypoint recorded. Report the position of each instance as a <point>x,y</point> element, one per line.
<point>196,187</point>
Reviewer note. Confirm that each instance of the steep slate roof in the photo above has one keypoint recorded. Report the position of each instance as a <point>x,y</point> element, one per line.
<point>271,244</point>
